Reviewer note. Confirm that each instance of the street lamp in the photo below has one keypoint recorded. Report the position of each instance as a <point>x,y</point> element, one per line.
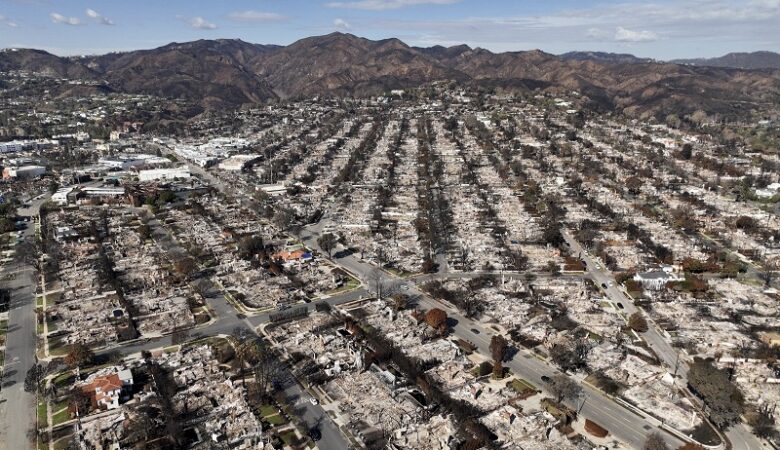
<point>582,405</point>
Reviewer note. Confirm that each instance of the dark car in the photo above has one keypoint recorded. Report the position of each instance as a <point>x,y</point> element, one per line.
<point>475,331</point>
<point>545,378</point>
<point>620,305</point>
<point>604,285</point>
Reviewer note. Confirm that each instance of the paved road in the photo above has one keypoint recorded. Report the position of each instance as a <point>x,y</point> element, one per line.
<point>622,423</point>
<point>316,417</point>
<point>17,407</point>
<point>740,434</point>
<point>603,277</point>
<point>224,324</point>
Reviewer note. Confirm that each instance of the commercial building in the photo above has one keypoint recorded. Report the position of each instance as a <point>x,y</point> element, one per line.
<point>173,173</point>
<point>23,172</point>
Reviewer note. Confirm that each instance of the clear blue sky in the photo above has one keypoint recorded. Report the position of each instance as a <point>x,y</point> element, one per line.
<point>662,29</point>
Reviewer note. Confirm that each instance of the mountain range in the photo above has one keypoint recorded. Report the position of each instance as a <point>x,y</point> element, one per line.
<point>616,58</point>
<point>754,60</point>
<point>230,72</point>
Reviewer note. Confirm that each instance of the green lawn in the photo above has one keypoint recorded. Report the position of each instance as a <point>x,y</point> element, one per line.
<point>62,444</point>
<point>64,379</point>
<point>289,437</point>
<point>42,415</point>
<point>56,347</point>
<point>267,410</point>
<point>60,405</point>
<point>60,417</point>
<point>275,420</point>
<point>348,286</point>
<point>519,385</point>
<point>399,272</point>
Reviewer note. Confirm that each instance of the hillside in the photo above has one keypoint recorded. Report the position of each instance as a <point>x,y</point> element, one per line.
<point>751,61</point>
<point>617,58</point>
<point>230,73</point>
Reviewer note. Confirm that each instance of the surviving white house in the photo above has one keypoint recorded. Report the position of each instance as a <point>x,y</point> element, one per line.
<point>655,280</point>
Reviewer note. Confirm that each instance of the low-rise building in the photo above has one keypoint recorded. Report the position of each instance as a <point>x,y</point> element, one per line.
<point>656,280</point>
<point>173,173</point>
<point>106,390</point>
<point>23,172</point>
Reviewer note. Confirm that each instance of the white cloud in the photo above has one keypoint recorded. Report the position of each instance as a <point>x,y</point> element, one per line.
<point>383,5</point>
<point>626,35</point>
<point>256,16</point>
<point>59,18</point>
<point>5,20</point>
<point>596,33</point>
<point>103,20</point>
<point>341,24</point>
<point>199,23</point>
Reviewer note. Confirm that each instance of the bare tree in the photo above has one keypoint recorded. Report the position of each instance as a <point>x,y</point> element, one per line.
<point>655,442</point>
<point>270,374</point>
<point>27,252</point>
<point>498,348</point>
<point>327,242</point>
<point>377,282</point>
<point>79,355</point>
<point>637,322</point>
<point>79,401</point>
<point>283,218</point>
<point>563,388</point>
<point>35,379</point>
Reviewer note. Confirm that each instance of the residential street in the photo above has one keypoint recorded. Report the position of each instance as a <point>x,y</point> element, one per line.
<point>740,435</point>
<point>621,422</point>
<point>17,407</point>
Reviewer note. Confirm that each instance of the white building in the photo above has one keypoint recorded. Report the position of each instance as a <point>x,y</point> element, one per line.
<point>128,161</point>
<point>655,280</point>
<point>61,196</point>
<point>174,173</point>
<point>23,172</point>
<point>103,192</point>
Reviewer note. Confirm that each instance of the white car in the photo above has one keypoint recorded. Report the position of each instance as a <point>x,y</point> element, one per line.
<point>313,401</point>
